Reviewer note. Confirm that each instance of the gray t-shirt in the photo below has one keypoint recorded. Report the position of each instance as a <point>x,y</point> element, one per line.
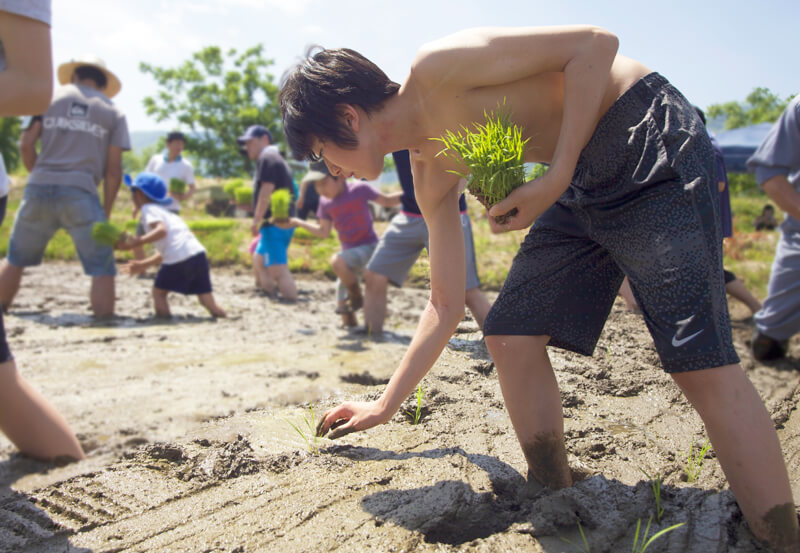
<point>77,129</point>
<point>34,9</point>
<point>779,154</point>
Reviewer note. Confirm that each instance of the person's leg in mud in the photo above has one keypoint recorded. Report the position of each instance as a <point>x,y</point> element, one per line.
<point>285,282</point>
<point>101,296</point>
<point>10,280</point>
<point>376,287</point>
<point>626,293</point>
<point>349,281</point>
<point>736,288</point>
<point>31,422</point>
<point>533,401</point>
<point>264,280</point>
<point>160,303</point>
<point>748,450</point>
<point>208,301</point>
<point>478,304</point>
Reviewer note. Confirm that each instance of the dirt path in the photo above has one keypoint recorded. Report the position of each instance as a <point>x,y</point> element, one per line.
<point>190,448</point>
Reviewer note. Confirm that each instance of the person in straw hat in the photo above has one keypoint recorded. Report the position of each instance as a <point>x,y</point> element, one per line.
<point>82,136</point>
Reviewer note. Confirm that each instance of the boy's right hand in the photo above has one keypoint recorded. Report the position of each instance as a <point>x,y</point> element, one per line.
<point>126,242</point>
<point>352,416</point>
<point>133,268</point>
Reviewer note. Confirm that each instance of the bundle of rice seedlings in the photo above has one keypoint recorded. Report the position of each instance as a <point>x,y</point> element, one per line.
<point>279,204</point>
<point>244,195</point>
<point>177,186</point>
<point>494,155</point>
<point>107,234</point>
<point>231,186</point>
<point>210,225</point>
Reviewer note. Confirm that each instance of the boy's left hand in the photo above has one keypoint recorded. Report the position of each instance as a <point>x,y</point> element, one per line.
<point>133,268</point>
<point>530,200</point>
<point>351,416</point>
<point>126,242</point>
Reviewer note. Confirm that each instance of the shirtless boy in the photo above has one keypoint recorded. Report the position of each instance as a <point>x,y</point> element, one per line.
<point>622,144</point>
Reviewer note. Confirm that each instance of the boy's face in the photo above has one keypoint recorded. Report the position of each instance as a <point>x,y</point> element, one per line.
<point>330,187</point>
<point>138,197</point>
<point>175,147</point>
<point>364,161</point>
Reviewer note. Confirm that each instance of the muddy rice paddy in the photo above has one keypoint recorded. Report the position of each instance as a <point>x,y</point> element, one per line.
<point>186,426</point>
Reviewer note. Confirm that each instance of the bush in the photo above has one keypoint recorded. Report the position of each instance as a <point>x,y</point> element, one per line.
<point>244,196</point>
<point>743,184</point>
<point>231,186</point>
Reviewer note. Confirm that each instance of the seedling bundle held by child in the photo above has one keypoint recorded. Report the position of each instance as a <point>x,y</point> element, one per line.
<point>107,234</point>
<point>494,154</point>
<point>279,204</point>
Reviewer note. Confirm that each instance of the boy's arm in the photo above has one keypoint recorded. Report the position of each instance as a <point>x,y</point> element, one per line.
<point>584,54</point>
<point>321,230</point>
<point>158,230</point>
<point>27,144</point>
<point>262,204</point>
<point>389,200</point>
<point>138,266</point>
<point>112,178</point>
<point>438,321</point>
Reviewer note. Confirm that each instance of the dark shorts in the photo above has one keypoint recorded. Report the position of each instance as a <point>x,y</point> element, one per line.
<point>643,202</point>
<point>729,276</point>
<point>190,276</point>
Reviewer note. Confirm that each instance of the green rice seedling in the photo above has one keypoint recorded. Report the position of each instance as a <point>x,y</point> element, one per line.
<point>107,234</point>
<point>493,153</point>
<point>308,430</point>
<point>177,186</point>
<point>416,414</point>
<point>279,204</point>
<point>210,225</point>
<point>694,461</point>
<point>230,187</point>
<point>244,195</point>
<point>585,547</point>
<point>655,484</point>
<point>641,547</point>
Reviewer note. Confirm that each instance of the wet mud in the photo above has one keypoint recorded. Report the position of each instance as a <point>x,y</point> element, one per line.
<point>186,427</point>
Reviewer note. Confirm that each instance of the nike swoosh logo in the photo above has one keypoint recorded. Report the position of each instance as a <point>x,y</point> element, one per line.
<point>676,343</point>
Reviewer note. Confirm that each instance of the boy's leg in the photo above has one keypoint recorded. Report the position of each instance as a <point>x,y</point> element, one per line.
<point>349,280</point>
<point>10,280</point>
<point>738,290</point>
<point>263,279</point>
<point>533,401</point>
<point>748,450</point>
<point>376,286</point>
<point>207,300</point>
<point>102,297</point>
<point>474,299</point>
<point>478,304</point>
<point>160,303</point>
<point>30,421</point>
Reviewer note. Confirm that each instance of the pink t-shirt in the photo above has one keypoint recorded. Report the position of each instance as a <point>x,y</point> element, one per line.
<point>350,214</point>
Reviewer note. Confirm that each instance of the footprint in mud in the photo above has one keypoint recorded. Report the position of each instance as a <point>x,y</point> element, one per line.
<point>364,379</point>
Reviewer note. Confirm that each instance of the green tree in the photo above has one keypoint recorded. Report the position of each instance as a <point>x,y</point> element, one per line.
<point>216,97</point>
<point>760,106</point>
<point>135,163</point>
<point>9,141</point>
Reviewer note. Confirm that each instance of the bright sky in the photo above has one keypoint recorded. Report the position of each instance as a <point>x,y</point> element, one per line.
<point>713,51</point>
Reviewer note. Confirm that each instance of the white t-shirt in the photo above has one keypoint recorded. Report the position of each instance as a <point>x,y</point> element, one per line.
<point>176,169</point>
<point>5,182</point>
<point>179,244</point>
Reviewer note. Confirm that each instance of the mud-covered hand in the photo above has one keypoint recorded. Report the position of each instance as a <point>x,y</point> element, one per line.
<point>133,268</point>
<point>352,416</point>
<point>530,200</point>
<point>126,242</point>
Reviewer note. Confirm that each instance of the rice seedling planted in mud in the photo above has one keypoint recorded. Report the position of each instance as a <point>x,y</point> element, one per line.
<point>494,155</point>
<point>416,414</point>
<point>641,547</point>
<point>585,548</point>
<point>177,186</point>
<point>279,204</point>
<point>307,430</point>
<point>655,484</point>
<point>107,234</point>
<point>694,461</point>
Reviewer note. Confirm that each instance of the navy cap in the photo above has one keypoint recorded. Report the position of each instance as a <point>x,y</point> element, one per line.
<point>254,131</point>
<point>152,186</point>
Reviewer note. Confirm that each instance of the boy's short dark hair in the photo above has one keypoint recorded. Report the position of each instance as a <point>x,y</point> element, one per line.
<point>85,72</point>
<point>176,135</point>
<point>312,92</point>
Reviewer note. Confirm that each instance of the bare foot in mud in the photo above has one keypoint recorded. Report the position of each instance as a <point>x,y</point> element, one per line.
<point>355,298</point>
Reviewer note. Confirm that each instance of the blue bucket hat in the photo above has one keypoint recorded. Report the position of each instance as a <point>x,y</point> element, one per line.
<point>151,185</point>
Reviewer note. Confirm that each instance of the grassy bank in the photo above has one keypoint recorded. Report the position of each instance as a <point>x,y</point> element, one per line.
<point>748,253</point>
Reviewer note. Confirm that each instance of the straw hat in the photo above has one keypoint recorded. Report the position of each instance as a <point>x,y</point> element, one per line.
<point>65,71</point>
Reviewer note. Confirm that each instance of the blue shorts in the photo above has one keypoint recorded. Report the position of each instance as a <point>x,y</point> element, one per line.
<point>274,245</point>
<point>190,276</point>
<point>47,208</point>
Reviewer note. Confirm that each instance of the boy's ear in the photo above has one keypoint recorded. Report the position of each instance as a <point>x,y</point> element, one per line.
<point>349,116</point>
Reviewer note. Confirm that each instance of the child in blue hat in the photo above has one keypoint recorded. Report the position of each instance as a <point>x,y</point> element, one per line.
<point>184,266</point>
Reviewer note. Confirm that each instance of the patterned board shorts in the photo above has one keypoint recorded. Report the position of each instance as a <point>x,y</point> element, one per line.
<point>642,203</point>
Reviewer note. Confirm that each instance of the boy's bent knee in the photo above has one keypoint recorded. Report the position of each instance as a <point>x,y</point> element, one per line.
<point>503,345</point>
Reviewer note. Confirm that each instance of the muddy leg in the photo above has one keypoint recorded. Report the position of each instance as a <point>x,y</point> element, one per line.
<point>10,279</point>
<point>738,290</point>
<point>478,304</point>
<point>263,279</point>
<point>102,296</point>
<point>160,303</point>
<point>349,280</point>
<point>375,288</point>
<point>208,301</point>
<point>748,450</point>
<point>286,285</point>
<point>533,401</point>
